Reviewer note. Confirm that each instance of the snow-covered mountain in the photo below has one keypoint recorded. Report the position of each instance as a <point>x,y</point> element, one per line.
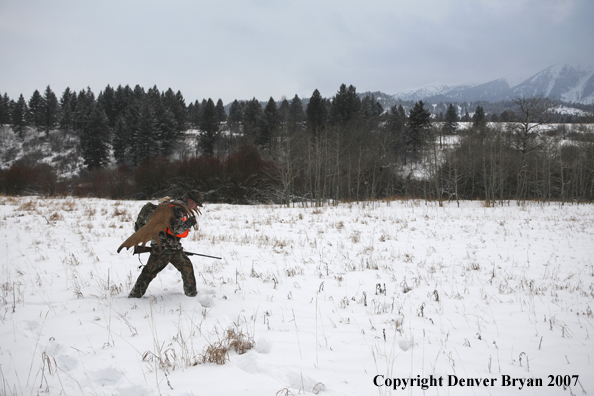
<point>430,91</point>
<point>569,83</point>
<point>470,93</point>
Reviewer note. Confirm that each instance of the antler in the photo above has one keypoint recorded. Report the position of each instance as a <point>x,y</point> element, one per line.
<point>159,221</point>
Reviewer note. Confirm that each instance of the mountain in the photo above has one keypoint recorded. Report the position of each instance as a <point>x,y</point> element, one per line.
<point>432,91</point>
<point>565,82</point>
<point>491,91</point>
<point>569,83</point>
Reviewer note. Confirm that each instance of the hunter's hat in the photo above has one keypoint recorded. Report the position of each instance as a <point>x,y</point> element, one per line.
<point>195,196</point>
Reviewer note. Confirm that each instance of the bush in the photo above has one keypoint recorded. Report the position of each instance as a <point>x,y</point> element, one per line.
<point>153,178</point>
<point>22,179</point>
<point>103,183</point>
<point>241,178</point>
<point>248,181</point>
<point>206,174</point>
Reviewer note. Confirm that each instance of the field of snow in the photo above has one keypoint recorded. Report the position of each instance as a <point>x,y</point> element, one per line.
<point>374,298</point>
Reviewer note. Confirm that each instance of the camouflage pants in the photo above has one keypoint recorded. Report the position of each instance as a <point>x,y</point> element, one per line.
<point>157,262</point>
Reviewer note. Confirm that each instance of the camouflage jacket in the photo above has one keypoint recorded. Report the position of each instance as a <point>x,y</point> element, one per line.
<point>178,226</point>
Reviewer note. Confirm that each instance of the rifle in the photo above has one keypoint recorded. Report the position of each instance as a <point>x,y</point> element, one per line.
<point>146,249</point>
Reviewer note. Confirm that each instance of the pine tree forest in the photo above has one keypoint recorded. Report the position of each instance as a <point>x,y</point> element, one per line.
<point>138,143</point>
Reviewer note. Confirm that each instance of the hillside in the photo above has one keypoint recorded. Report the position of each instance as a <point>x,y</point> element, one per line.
<point>60,151</point>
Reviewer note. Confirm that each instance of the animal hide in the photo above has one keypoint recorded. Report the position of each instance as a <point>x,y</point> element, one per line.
<point>159,221</point>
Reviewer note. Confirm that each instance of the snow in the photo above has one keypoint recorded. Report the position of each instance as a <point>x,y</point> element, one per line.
<point>431,90</point>
<point>570,111</point>
<point>403,293</point>
<point>567,82</point>
<point>576,93</point>
<point>58,150</point>
<point>572,77</point>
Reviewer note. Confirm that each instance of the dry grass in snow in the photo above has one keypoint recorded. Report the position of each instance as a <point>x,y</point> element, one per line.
<point>305,300</point>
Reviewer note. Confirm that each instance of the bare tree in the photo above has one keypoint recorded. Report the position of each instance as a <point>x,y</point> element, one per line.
<point>525,132</point>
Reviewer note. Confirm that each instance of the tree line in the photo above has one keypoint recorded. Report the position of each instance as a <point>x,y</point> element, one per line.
<point>347,147</point>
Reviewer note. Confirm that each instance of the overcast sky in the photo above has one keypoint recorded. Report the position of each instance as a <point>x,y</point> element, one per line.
<point>273,48</point>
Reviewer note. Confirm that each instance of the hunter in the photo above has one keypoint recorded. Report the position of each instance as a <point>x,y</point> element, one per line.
<point>168,248</point>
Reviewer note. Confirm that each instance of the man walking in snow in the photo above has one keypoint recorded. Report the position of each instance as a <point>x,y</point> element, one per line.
<point>170,222</point>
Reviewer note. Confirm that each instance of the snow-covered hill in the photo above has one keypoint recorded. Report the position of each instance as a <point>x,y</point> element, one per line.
<point>57,149</point>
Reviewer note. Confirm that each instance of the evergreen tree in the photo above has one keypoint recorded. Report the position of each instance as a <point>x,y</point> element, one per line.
<point>283,112</point>
<point>506,116</point>
<point>221,115</point>
<point>66,111</point>
<point>345,106</point>
<point>83,105</point>
<point>180,112</point>
<point>121,140</point>
<point>316,120</point>
<point>138,93</point>
<point>296,114</point>
<point>417,131</point>
<point>153,98</point>
<point>176,104</point>
<point>371,110</point>
<point>451,121</point>
<point>136,101</point>
<point>235,116</point>
<point>19,114</point>
<point>209,129</point>
<point>95,137</point>
<point>479,119</point>
<point>49,110</point>
<point>252,113</point>
<point>35,115</point>
<point>167,133</point>
<point>194,114</point>
<point>131,120</point>
<point>145,142</point>
<point>73,106</point>
<point>269,126</point>
<point>397,118</point>
<point>107,99</point>
<point>122,100</point>
<point>395,124</point>
<point>133,107</point>
<point>5,110</point>
<point>317,114</point>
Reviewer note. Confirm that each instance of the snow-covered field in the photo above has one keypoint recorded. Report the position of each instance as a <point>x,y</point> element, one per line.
<point>332,301</point>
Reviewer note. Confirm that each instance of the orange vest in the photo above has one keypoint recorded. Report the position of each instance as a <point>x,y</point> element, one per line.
<point>182,235</point>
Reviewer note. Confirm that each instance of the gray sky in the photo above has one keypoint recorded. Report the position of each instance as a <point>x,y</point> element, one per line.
<point>243,49</point>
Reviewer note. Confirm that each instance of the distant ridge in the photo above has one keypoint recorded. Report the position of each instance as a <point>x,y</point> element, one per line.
<point>569,83</point>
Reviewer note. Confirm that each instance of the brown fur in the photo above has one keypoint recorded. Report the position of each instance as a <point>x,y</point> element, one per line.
<point>159,221</point>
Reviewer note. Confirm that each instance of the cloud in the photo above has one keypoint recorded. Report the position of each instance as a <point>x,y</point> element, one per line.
<point>242,49</point>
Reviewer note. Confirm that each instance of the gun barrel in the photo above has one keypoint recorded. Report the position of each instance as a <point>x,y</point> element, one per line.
<point>146,249</point>
<point>202,255</point>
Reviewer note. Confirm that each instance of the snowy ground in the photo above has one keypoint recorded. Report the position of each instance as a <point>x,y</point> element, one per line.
<point>333,298</point>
